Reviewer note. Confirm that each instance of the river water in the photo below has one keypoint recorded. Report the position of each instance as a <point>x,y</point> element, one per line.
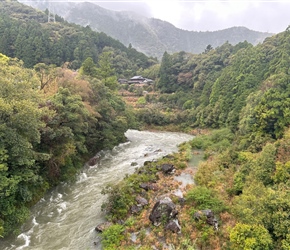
<point>66,217</point>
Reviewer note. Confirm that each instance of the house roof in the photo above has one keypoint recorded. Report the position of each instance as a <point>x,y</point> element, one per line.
<point>148,80</point>
<point>137,78</point>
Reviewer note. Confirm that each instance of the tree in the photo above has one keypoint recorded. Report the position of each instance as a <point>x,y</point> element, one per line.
<point>273,112</point>
<point>208,48</point>
<point>105,72</point>
<point>65,133</point>
<point>46,73</point>
<point>164,83</point>
<point>88,68</point>
<point>250,237</point>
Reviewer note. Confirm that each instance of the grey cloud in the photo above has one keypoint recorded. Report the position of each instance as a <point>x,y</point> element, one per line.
<point>267,17</point>
<point>138,7</point>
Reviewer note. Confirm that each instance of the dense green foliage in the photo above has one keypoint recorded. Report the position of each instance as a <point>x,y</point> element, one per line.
<point>112,237</point>
<point>48,130</point>
<point>256,188</point>
<point>250,237</point>
<point>204,198</point>
<point>26,34</point>
<point>242,87</point>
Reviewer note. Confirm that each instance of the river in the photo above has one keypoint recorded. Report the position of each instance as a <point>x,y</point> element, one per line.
<point>66,216</point>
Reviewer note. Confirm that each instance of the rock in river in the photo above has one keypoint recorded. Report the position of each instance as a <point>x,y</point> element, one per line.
<point>103,226</point>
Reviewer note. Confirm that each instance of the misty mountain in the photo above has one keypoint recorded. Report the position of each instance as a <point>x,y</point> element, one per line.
<point>148,35</point>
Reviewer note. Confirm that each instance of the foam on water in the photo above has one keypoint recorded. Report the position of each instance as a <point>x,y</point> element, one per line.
<point>61,207</point>
<point>26,239</point>
<point>34,221</point>
<point>82,177</point>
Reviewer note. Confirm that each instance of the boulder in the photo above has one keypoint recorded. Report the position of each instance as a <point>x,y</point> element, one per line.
<point>178,193</point>
<point>209,217</point>
<point>103,226</point>
<point>141,201</point>
<point>173,226</point>
<point>167,168</point>
<point>181,201</point>
<point>163,211</point>
<point>144,186</point>
<point>144,170</point>
<point>135,209</point>
<point>141,171</point>
<point>148,186</point>
<point>93,161</point>
<point>168,157</point>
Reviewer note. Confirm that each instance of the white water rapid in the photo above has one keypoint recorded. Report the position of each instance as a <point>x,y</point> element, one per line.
<point>66,217</point>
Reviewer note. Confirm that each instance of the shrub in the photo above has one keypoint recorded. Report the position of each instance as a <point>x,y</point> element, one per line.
<point>217,141</point>
<point>247,237</point>
<point>205,198</point>
<point>141,100</point>
<point>112,237</point>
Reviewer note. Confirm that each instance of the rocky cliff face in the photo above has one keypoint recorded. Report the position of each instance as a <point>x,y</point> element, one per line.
<point>148,35</point>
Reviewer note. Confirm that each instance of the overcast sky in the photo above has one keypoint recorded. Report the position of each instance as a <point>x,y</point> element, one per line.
<point>269,16</point>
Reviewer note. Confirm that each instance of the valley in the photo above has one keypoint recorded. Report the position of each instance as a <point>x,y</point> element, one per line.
<point>71,95</point>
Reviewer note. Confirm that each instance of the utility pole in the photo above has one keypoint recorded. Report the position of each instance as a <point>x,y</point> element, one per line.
<point>51,12</point>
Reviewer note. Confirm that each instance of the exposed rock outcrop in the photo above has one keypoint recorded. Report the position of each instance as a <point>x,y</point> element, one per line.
<point>148,186</point>
<point>141,201</point>
<point>173,226</point>
<point>135,209</point>
<point>93,161</point>
<point>209,217</point>
<point>163,211</point>
<point>167,168</point>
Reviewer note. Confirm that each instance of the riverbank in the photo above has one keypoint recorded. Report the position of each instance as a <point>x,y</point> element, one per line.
<point>172,192</point>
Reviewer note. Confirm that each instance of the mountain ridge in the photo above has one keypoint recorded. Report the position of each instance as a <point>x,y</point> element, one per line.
<point>151,36</point>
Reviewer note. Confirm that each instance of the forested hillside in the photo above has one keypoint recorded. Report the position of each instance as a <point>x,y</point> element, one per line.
<point>212,89</point>
<point>26,34</point>
<point>242,93</point>
<point>148,35</point>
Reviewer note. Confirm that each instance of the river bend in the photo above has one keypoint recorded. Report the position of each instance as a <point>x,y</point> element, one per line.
<point>65,218</point>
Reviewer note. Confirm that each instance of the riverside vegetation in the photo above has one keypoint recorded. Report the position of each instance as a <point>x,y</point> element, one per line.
<point>53,118</point>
